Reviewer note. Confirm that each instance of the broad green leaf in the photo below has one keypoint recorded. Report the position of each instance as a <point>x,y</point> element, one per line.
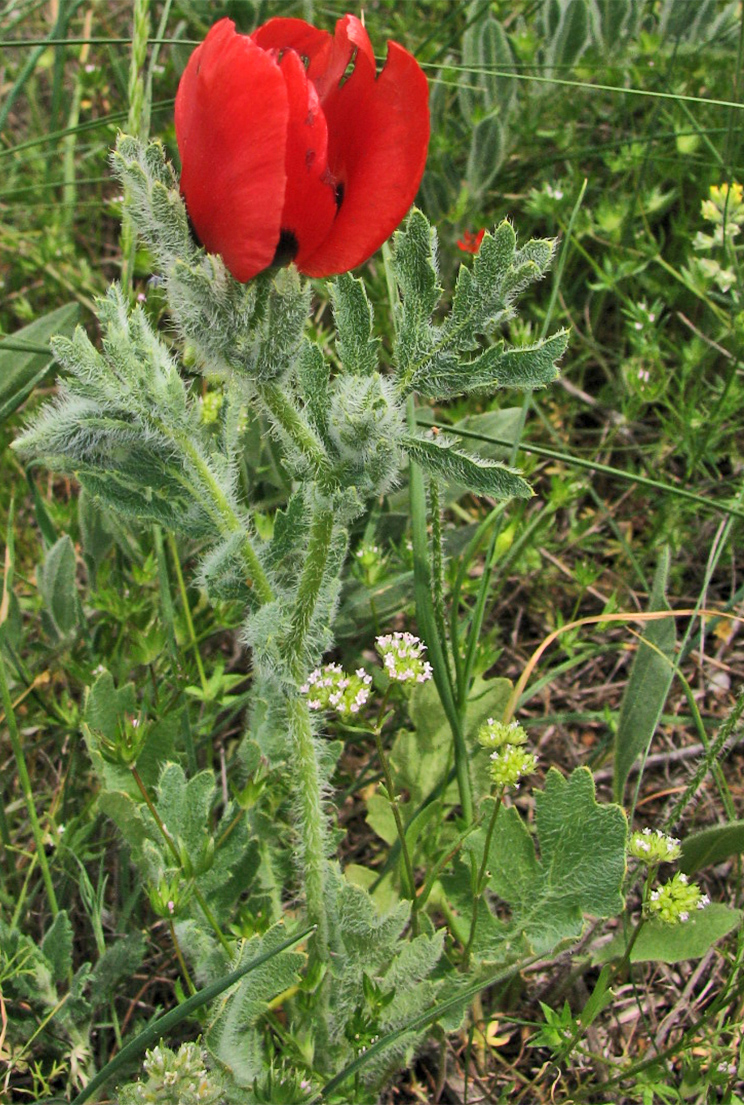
<point>711,846</point>
<point>20,370</point>
<point>421,757</point>
<point>56,578</point>
<point>568,31</point>
<point>660,943</point>
<point>486,154</point>
<point>119,961</point>
<point>57,946</point>
<point>96,530</point>
<point>232,1037</point>
<point>581,863</point>
<point>486,477</point>
<point>650,679</point>
<point>184,806</point>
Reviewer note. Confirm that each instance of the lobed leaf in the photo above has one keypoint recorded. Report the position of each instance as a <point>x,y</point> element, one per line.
<point>485,477</point>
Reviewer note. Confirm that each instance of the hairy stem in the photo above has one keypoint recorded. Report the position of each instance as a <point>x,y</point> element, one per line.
<point>308,776</point>
<point>312,821</point>
<point>221,510</point>
<point>286,415</point>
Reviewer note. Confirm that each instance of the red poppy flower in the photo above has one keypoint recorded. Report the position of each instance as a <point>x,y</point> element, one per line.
<point>287,157</point>
<point>470,242</point>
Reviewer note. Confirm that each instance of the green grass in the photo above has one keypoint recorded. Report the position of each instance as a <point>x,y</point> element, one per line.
<point>611,143</point>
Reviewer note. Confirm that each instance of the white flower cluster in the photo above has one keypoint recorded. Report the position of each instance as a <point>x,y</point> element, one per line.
<point>402,655</point>
<point>652,847</point>
<point>330,687</point>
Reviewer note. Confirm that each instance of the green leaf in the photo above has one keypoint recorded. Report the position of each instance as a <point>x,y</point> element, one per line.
<point>107,707</point>
<point>415,267</point>
<point>358,349</point>
<point>160,1028</point>
<point>568,34</point>
<point>420,758</point>
<point>184,807</point>
<point>56,578</point>
<point>21,370</point>
<point>57,946</point>
<point>313,374</point>
<point>711,846</point>
<point>660,943</point>
<point>501,366</point>
<point>580,869</point>
<point>232,1037</point>
<point>119,961</point>
<point>96,530</point>
<point>486,477</point>
<point>486,154</point>
<point>648,686</point>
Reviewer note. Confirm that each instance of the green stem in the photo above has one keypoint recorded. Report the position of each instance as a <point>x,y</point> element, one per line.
<point>28,792</point>
<point>308,591</point>
<point>437,560</point>
<point>481,880</point>
<point>428,627</point>
<point>218,507</point>
<point>308,786</point>
<point>187,613</point>
<point>390,785</point>
<point>312,819</point>
<point>212,920</point>
<point>286,415</point>
<point>137,123</point>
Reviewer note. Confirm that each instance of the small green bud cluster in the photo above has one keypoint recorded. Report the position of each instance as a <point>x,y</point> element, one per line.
<point>169,895</point>
<point>510,761</point>
<point>403,657</point>
<point>211,404</point>
<point>653,847</point>
<point>126,746</point>
<point>495,734</point>
<point>330,687</point>
<point>174,1078</point>
<point>674,901</point>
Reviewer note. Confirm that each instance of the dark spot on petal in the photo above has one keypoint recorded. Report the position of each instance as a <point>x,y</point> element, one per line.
<point>287,249</point>
<point>339,194</point>
<point>309,158</point>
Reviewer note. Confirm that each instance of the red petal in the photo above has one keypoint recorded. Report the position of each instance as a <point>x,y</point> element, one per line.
<point>327,56</point>
<point>294,34</point>
<point>378,135</point>
<point>310,198</point>
<point>231,128</point>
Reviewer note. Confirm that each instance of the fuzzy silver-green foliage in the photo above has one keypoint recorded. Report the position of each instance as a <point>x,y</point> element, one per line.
<point>127,426</point>
<point>370,945</point>
<point>233,1036</point>
<point>432,358</point>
